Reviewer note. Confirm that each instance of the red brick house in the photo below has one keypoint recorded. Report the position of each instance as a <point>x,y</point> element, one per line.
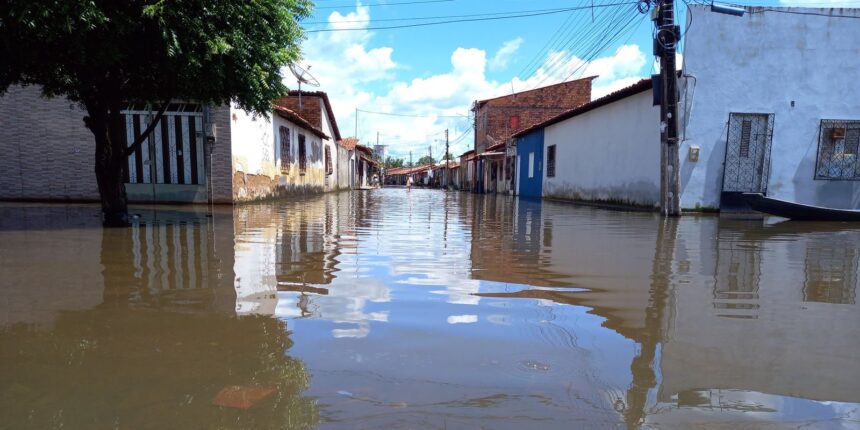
<point>497,119</point>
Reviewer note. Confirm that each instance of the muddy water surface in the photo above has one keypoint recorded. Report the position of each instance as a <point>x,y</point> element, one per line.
<point>424,309</point>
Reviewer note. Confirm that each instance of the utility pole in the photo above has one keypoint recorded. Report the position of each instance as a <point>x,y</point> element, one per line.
<point>410,159</point>
<point>447,162</point>
<point>356,123</point>
<point>667,34</point>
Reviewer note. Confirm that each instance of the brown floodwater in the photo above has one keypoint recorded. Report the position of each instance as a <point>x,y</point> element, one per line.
<point>424,309</point>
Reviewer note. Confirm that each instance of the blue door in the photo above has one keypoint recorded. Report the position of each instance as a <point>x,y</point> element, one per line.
<point>530,168</point>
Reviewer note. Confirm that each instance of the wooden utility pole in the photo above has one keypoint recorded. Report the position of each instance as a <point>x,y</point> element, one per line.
<point>447,163</point>
<point>667,34</point>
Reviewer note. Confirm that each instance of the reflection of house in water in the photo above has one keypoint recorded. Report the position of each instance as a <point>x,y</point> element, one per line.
<point>725,312</point>
<point>167,259</point>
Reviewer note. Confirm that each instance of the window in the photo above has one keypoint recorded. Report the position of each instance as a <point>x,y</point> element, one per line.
<point>838,145</point>
<point>303,159</point>
<point>514,122</point>
<point>328,166</point>
<point>531,164</point>
<point>746,131</point>
<point>285,149</point>
<point>550,161</point>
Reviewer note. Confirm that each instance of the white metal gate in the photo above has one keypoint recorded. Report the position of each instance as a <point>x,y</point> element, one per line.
<point>173,152</point>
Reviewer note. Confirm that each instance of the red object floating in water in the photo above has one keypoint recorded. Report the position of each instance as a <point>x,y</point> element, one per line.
<point>239,397</point>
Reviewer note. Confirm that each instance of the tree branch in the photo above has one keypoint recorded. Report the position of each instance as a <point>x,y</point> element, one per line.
<point>149,129</point>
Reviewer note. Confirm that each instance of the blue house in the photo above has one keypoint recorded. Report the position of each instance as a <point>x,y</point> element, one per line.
<point>530,164</point>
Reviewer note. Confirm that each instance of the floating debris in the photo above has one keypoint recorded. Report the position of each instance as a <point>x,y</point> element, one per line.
<point>239,397</point>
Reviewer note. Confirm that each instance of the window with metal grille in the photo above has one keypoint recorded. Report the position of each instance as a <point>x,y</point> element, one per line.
<point>328,166</point>
<point>285,149</point>
<point>838,148</point>
<point>550,161</point>
<point>746,131</point>
<point>303,156</point>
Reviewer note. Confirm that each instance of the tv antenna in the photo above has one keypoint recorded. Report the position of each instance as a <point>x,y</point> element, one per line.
<point>303,76</point>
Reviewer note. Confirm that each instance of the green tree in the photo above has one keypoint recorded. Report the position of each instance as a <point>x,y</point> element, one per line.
<point>393,162</point>
<point>105,54</point>
<point>425,160</point>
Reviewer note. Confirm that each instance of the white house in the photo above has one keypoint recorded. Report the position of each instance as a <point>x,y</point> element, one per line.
<point>769,103</point>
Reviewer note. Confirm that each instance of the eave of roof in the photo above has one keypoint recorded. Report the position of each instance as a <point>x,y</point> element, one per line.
<point>641,86</point>
<point>295,118</point>
<point>328,109</point>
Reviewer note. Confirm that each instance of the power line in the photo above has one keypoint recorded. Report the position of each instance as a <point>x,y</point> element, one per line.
<point>413,116</point>
<point>384,4</point>
<point>414,18</point>
<point>495,18</point>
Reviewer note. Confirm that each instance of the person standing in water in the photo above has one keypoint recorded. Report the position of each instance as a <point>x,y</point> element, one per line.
<point>408,182</point>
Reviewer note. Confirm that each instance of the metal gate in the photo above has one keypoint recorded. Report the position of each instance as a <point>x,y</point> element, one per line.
<point>173,152</point>
<point>747,163</point>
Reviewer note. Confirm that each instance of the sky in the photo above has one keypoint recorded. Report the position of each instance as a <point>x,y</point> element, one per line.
<point>429,76</point>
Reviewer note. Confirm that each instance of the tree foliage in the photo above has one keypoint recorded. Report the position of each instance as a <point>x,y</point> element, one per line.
<point>105,54</point>
<point>150,51</point>
<point>425,160</point>
<point>393,162</point>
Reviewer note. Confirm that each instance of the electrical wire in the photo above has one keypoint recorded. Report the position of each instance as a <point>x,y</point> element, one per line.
<point>384,4</point>
<point>453,21</point>
<point>418,18</point>
<point>412,116</point>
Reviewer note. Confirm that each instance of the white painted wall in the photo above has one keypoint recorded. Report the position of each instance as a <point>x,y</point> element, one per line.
<point>611,153</point>
<point>333,183</point>
<point>252,143</point>
<point>760,63</point>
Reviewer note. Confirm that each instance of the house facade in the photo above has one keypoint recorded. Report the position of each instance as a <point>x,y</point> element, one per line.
<point>754,117</point>
<point>607,151</point>
<point>778,116</point>
<point>197,153</point>
<point>497,119</point>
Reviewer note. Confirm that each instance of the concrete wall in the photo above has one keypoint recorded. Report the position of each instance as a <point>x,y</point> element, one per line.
<point>46,153</point>
<point>257,161</point>
<point>609,154</point>
<point>761,63</point>
<point>342,167</point>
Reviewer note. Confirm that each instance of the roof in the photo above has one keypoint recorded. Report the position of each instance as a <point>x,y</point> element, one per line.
<point>289,115</point>
<point>480,103</point>
<point>641,86</point>
<point>364,149</point>
<point>328,109</point>
<point>349,143</point>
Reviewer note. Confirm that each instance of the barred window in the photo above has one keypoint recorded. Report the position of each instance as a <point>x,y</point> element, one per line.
<point>838,145</point>
<point>285,149</point>
<point>303,156</point>
<point>550,161</point>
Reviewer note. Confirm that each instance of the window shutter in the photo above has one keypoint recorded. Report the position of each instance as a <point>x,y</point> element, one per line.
<point>328,167</point>
<point>303,161</point>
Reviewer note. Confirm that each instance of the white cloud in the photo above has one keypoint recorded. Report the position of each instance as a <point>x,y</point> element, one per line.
<point>504,54</point>
<point>357,74</point>
<point>819,3</point>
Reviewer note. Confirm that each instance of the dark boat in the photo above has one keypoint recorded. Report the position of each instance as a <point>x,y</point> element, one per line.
<point>798,211</point>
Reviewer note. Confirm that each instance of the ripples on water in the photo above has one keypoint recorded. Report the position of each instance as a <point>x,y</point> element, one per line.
<point>425,309</point>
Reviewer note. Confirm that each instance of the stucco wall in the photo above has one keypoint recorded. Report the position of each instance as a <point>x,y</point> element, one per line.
<point>257,158</point>
<point>760,63</point>
<point>342,167</point>
<point>609,154</point>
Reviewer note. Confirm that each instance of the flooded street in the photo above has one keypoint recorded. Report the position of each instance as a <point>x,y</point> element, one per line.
<point>424,309</point>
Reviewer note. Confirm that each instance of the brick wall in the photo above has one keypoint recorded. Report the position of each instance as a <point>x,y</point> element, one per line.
<point>221,171</point>
<point>311,110</point>
<point>46,152</point>
<point>492,117</point>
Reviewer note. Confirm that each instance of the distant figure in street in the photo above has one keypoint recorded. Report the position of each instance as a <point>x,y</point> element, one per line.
<point>408,182</point>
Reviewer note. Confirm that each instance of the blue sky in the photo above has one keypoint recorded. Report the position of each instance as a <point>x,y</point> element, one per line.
<point>435,72</point>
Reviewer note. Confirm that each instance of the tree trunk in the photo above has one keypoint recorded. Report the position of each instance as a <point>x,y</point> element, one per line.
<point>105,122</point>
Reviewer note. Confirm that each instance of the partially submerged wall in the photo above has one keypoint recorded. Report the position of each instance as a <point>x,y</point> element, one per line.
<point>610,154</point>
<point>261,171</point>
